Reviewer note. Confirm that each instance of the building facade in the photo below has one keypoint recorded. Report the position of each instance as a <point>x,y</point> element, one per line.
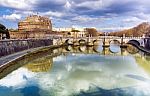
<point>71,32</point>
<point>35,22</point>
<point>33,26</point>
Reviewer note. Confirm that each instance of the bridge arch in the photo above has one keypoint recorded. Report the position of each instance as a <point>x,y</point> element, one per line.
<point>134,42</point>
<point>132,50</point>
<point>117,50</point>
<point>59,42</point>
<point>111,51</point>
<point>95,42</point>
<point>68,48</point>
<point>82,41</point>
<point>115,40</point>
<point>82,49</point>
<point>68,41</point>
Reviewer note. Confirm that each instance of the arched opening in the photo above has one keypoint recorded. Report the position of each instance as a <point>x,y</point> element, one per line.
<point>68,48</point>
<point>69,33</point>
<point>114,42</point>
<point>95,48</point>
<point>82,48</point>
<point>68,42</point>
<point>134,42</point>
<point>113,51</point>
<point>95,42</point>
<point>82,42</point>
<point>114,46</point>
<point>132,49</point>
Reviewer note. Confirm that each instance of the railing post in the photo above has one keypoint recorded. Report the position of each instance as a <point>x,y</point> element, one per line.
<point>122,41</point>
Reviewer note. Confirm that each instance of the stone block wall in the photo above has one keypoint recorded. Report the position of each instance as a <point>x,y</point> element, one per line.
<point>12,46</point>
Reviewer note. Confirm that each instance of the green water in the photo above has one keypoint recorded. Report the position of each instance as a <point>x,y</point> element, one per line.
<point>81,71</point>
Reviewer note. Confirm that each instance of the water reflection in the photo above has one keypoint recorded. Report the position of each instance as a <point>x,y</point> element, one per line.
<point>40,65</point>
<point>98,49</point>
<point>79,71</point>
<point>115,46</point>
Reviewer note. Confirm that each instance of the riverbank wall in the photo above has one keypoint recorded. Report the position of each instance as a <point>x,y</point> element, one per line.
<point>12,64</point>
<point>8,47</point>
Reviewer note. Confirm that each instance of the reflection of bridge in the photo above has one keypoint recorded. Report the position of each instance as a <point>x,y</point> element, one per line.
<point>106,40</point>
<point>94,50</point>
<point>45,57</point>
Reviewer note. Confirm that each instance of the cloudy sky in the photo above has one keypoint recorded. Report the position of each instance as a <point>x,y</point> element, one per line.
<point>80,13</point>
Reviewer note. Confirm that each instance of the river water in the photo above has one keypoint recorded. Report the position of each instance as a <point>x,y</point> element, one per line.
<point>81,71</point>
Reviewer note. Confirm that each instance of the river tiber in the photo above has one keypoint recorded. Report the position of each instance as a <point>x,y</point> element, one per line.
<point>69,50</point>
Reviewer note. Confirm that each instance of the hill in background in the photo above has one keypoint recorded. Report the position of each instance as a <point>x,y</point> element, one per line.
<point>143,28</point>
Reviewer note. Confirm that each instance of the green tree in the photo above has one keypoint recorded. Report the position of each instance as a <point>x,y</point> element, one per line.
<point>3,30</point>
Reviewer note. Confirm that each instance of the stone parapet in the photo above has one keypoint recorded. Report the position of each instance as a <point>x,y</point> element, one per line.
<point>11,46</point>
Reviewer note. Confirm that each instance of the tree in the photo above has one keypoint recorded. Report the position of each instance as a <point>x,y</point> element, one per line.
<point>92,32</point>
<point>5,31</point>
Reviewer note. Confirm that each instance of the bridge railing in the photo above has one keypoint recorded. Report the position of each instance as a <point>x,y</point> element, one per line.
<point>99,37</point>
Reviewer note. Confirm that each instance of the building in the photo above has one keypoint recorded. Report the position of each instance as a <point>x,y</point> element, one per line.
<point>71,32</point>
<point>68,29</point>
<point>35,22</point>
<point>62,29</point>
<point>18,35</point>
<point>40,65</point>
<point>33,26</point>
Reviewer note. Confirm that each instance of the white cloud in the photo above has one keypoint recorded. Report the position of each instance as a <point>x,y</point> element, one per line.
<point>91,4</point>
<point>114,28</point>
<point>67,5</point>
<point>131,19</point>
<point>17,78</point>
<point>143,16</point>
<point>12,17</point>
<point>21,4</point>
<point>80,12</point>
<point>51,13</point>
<point>83,18</point>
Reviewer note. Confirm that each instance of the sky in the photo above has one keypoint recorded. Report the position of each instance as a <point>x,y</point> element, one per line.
<point>102,14</point>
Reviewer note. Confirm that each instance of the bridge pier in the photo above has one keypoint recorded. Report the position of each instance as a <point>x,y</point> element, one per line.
<point>123,44</point>
<point>76,43</point>
<point>89,41</point>
<point>106,43</point>
<point>105,51</point>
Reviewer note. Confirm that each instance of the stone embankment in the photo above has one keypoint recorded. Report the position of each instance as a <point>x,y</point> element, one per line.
<point>14,61</point>
<point>8,47</point>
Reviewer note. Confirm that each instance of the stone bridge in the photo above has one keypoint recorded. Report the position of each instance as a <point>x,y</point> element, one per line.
<point>106,40</point>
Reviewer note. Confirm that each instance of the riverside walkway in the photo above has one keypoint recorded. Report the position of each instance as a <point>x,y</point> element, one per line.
<point>11,57</point>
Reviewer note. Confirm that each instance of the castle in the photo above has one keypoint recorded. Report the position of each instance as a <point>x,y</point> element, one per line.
<point>33,26</point>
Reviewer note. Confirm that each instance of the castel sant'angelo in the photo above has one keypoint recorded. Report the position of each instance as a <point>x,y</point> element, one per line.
<point>33,26</point>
